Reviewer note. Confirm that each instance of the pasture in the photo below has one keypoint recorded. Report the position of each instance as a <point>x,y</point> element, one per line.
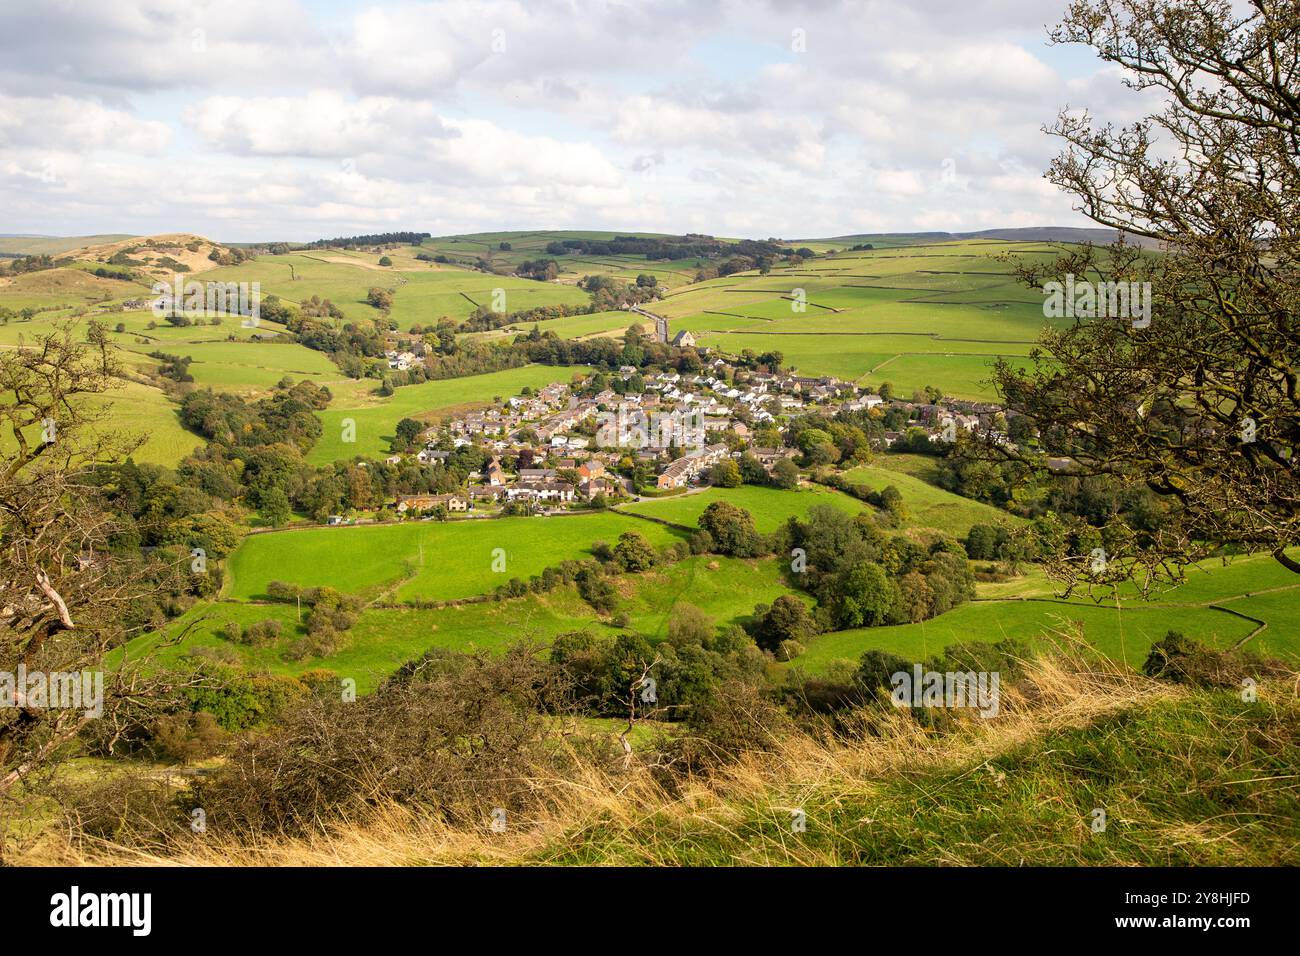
<point>770,507</point>
<point>927,505</point>
<point>935,314</point>
<point>386,637</point>
<point>424,560</point>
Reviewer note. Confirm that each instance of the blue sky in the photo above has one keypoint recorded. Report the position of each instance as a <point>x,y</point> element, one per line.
<point>264,119</point>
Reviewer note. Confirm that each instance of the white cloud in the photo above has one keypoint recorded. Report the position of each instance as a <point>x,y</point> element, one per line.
<point>63,123</point>
<point>281,119</point>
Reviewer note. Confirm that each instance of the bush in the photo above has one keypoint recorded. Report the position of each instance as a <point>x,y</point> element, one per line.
<point>263,633</point>
<point>452,734</point>
<point>185,738</point>
<point>786,620</point>
<point>633,552</point>
<point>283,591</point>
<point>1182,660</point>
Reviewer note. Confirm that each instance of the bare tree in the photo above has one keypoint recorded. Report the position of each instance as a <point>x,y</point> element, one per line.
<point>64,594</point>
<point>1200,402</point>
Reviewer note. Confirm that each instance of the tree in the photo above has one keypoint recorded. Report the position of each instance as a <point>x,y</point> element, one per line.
<point>785,474</point>
<point>275,508</point>
<point>864,596</point>
<point>731,530</point>
<point>1197,398</point>
<point>725,474</point>
<point>385,261</point>
<point>788,619</point>
<point>408,430</point>
<point>67,598</point>
<point>633,552</point>
<point>982,541</point>
<point>891,499</point>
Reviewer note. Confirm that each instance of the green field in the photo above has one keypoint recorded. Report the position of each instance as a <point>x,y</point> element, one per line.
<point>386,637</point>
<point>1026,609</point>
<point>424,560</point>
<point>770,507</point>
<point>933,314</point>
<point>927,505</point>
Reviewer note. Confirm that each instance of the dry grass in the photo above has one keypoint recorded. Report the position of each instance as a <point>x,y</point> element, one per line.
<point>741,814</point>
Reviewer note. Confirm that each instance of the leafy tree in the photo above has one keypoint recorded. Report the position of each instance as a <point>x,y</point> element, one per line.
<point>633,552</point>
<point>785,474</point>
<point>865,597</point>
<point>408,430</point>
<point>731,530</point>
<point>275,508</point>
<point>788,619</point>
<point>725,474</point>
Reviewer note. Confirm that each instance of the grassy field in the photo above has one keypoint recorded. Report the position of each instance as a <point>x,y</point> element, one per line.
<point>53,245</point>
<point>1026,609</point>
<point>137,411</point>
<point>927,505</point>
<point>63,288</point>
<point>385,637</point>
<point>924,315</point>
<point>770,507</point>
<point>424,560</point>
<point>468,249</point>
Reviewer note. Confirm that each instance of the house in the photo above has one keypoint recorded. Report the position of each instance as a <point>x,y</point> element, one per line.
<point>598,486</point>
<point>453,503</point>
<point>676,475</point>
<point>591,470</point>
<point>684,340</point>
<point>541,491</point>
<point>532,476</point>
<point>691,465</point>
<point>494,473</point>
<point>768,457</point>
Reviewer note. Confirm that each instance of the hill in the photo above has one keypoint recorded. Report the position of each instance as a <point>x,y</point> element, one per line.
<point>17,245</point>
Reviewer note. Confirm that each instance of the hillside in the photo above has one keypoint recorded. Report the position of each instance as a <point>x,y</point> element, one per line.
<point>1155,763</point>
<point>14,245</point>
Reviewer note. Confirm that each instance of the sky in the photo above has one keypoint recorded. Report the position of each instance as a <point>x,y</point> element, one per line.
<point>257,120</point>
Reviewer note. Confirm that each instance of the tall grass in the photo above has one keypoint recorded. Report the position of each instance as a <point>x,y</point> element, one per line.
<point>1184,775</point>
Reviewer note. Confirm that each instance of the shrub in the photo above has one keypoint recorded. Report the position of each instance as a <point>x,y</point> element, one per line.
<point>262,633</point>
<point>1183,660</point>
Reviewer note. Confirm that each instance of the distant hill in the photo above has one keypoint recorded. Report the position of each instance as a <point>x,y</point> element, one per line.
<point>157,256</point>
<point>1024,234</point>
<point>19,245</point>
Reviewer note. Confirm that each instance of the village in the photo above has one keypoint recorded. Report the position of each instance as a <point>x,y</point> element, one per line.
<point>658,433</point>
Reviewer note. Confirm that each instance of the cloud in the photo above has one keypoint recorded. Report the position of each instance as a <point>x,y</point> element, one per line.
<point>54,124</point>
<point>271,118</point>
